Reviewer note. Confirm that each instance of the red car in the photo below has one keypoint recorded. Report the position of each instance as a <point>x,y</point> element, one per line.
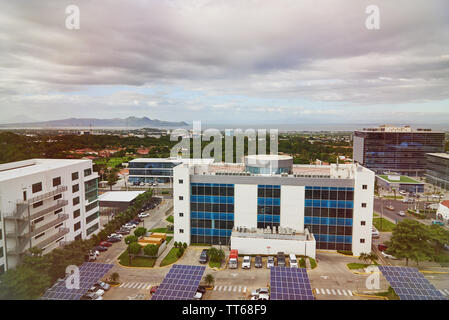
<point>105,244</point>
<point>153,289</point>
<point>381,247</point>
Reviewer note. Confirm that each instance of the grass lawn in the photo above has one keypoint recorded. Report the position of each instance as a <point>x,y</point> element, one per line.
<point>404,179</point>
<point>375,214</point>
<point>171,257</point>
<point>169,239</point>
<point>171,219</point>
<point>387,226</point>
<point>214,264</point>
<point>160,230</point>
<point>353,266</point>
<point>390,294</point>
<point>393,197</point>
<point>113,161</point>
<point>137,261</point>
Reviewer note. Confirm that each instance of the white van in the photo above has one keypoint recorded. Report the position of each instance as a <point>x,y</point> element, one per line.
<point>293,261</point>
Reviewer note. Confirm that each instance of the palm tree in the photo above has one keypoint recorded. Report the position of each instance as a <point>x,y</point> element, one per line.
<point>209,279</point>
<point>364,256</point>
<point>372,257</point>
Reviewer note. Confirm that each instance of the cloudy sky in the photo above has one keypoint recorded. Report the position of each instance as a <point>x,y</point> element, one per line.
<point>226,61</point>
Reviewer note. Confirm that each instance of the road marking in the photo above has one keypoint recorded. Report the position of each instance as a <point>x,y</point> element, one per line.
<point>244,290</point>
<point>141,286</point>
<point>350,292</point>
<point>447,291</point>
<point>215,288</point>
<point>229,288</point>
<point>121,285</point>
<point>135,285</point>
<point>333,292</point>
<point>240,288</point>
<point>338,291</point>
<point>328,292</point>
<point>234,289</point>
<point>443,293</point>
<point>344,292</point>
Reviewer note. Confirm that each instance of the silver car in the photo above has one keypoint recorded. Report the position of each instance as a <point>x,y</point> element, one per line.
<point>270,262</point>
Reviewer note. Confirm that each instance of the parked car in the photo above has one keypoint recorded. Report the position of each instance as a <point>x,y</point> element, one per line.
<point>153,289</point>
<point>115,235</point>
<point>381,247</point>
<point>401,213</point>
<point>100,248</point>
<point>259,291</point>
<point>390,207</point>
<point>105,244</point>
<point>97,291</point>
<point>280,259</point>
<point>90,257</point>
<point>94,252</point>
<point>198,296</point>
<point>270,262</point>
<point>389,256</point>
<point>293,261</point>
<point>122,231</point>
<point>258,262</point>
<point>91,296</point>
<point>375,233</point>
<point>246,264</point>
<point>201,289</point>
<point>102,285</point>
<point>262,296</point>
<point>143,215</point>
<point>204,256</point>
<point>113,240</point>
<point>129,226</point>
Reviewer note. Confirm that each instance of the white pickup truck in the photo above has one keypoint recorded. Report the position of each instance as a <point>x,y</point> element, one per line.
<point>246,264</point>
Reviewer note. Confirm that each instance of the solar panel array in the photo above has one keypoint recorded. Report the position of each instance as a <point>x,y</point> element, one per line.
<point>290,284</point>
<point>410,284</point>
<point>89,274</point>
<point>180,283</point>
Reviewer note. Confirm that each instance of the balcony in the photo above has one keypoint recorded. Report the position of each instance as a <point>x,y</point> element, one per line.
<point>46,195</point>
<point>61,218</point>
<point>58,205</point>
<point>61,233</point>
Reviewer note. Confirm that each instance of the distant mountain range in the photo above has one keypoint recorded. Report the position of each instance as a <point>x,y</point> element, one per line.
<point>130,122</point>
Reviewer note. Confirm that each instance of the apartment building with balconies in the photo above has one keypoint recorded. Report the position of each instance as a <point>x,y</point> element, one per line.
<point>45,203</point>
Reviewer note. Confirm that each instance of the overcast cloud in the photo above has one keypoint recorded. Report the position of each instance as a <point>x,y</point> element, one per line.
<point>226,60</point>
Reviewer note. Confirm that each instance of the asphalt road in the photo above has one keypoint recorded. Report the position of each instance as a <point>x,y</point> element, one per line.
<point>392,215</point>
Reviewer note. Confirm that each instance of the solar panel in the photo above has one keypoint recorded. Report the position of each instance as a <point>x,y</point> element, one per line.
<point>410,284</point>
<point>290,284</point>
<point>89,272</point>
<point>180,283</point>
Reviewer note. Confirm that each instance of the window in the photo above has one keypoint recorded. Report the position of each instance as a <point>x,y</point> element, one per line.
<point>59,225</point>
<point>181,198</point>
<point>59,196</point>
<point>363,204</point>
<point>58,211</point>
<point>76,201</point>
<point>38,220</point>
<point>362,240</point>
<point>181,214</point>
<point>87,172</point>
<point>76,213</point>
<point>39,235</point>
<point>91,206</point>
<point>363,223</point>
<point>38,204</point>
<point>92,229</point>
<point>75,176</point>
<point>36,187</point>
<point>1,252</point>
<point>78,237</point>
<point>56,181</point>
<point>181,230</point>
<point>92,217</point>
<point>75,188</point>
<point>365,187</point>
<point>77,226</point>
<point>2,268</point>
<point>24,195</point>
<point>181,181</point>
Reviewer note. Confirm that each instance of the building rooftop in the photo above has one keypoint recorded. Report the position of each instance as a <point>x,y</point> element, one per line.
<point>445,203</point>
<point>175,160</point>
<point>440,155</point>
<point>391,128</point>
<point>402,179</point>
<point>13,170</point>
<point>120,196</point>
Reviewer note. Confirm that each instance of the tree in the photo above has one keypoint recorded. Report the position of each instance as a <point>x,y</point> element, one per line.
<point>410,240</point>
<point>438,238</point>
<point>150,250</point>
<point>140,231</point>
<point>364,257</point>
<point>184,245</point>
<point>134,248</point>
<point>216,255</point>
<point>209,279</point>
<point>175,244</point>
<point>112,177</point>
<point>130,239</point>
<point>115,277</point>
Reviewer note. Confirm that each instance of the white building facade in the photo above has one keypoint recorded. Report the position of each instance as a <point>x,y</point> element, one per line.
<point>301,210</point>
<point>45,203</point>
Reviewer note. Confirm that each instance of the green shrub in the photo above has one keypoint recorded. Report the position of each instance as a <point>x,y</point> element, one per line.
<point>313,263</point>
<point>150,250</point>
<point>130,239</point>
<point>140,231</point>
<point>134,248</point>
<point>175,244</point>
<point>302,263</point>
<point>184,245</point>
<point>345,252</point>
<point>180,252</point>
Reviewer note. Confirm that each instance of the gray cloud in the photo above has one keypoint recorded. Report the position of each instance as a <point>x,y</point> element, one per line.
<point>315,50</point>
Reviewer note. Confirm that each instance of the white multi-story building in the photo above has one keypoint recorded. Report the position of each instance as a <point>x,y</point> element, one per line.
<point>267,205</point>
<point>45,203</point>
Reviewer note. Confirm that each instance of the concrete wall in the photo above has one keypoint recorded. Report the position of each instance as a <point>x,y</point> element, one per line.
<point>366,177</point>
<point>260,246</point>
<point>245,205</point>
<point>292,207</point>
<point>182,224</point>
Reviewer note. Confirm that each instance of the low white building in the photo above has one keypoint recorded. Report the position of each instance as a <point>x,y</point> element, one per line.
<point>261,207</point>
<point>443,211</point>
<point>45,203</point>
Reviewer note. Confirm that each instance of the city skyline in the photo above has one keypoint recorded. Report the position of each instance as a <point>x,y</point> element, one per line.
<point>227,62</point>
